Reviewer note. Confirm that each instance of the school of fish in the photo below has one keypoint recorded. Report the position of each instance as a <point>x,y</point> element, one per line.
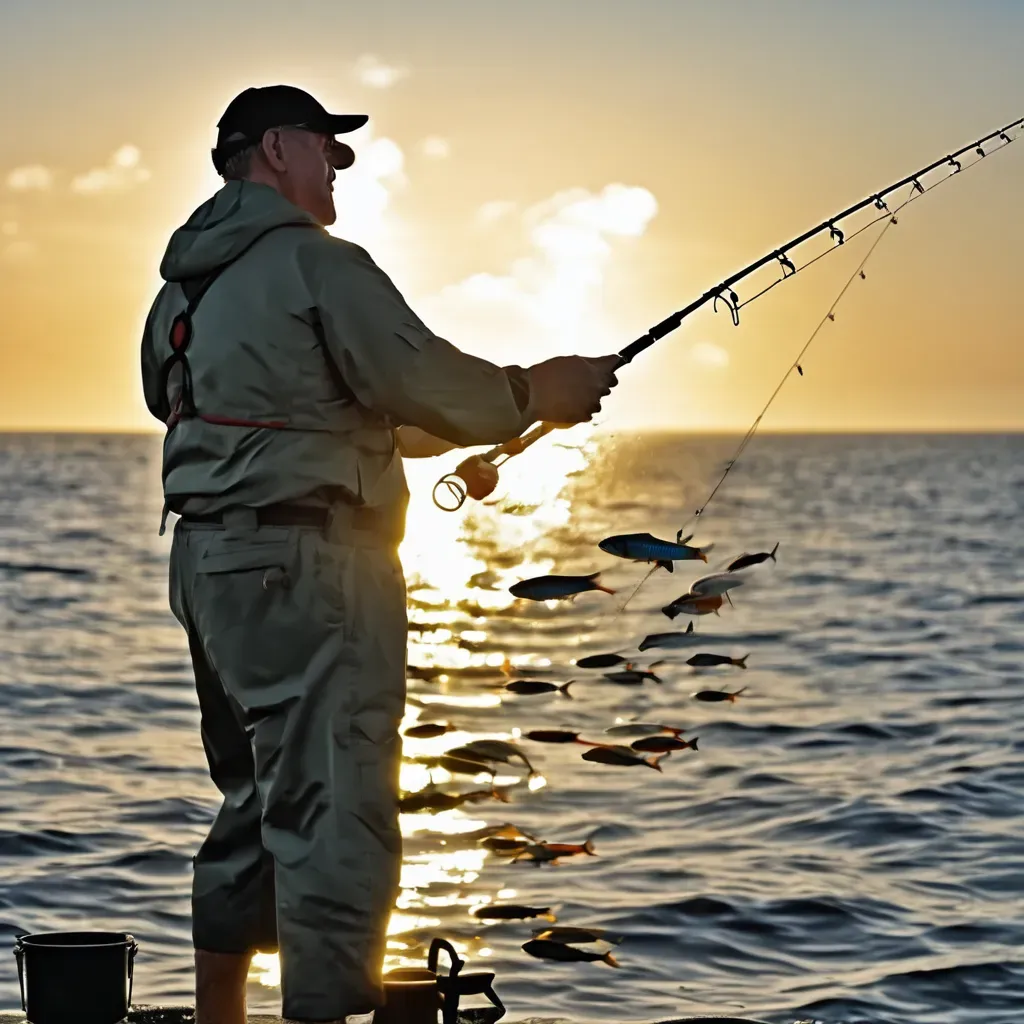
<point>623,744</point>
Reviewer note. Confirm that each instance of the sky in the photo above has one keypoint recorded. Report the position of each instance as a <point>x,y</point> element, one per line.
<point>545,178</point>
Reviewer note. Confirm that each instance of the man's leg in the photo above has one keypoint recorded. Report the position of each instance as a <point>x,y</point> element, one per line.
<point>318,667</point>
<point>220,987</point>
<point>233,899</point>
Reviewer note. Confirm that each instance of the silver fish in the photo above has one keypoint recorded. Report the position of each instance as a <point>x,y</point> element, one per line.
<point>622,756</point>
<point>669,641</point>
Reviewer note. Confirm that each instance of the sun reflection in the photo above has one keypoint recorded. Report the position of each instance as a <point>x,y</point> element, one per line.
<point>459,568</point>
<point>265,969</point>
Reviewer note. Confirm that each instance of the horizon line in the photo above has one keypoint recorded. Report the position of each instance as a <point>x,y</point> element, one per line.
<point>93,431</point>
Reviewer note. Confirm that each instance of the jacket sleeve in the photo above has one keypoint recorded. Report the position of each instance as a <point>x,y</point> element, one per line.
<point>397,366</point>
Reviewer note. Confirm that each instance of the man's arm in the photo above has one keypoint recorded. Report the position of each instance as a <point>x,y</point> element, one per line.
<point>414,443</point>
<point>395,365</point>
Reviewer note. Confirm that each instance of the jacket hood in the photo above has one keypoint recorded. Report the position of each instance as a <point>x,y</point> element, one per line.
<point>224,226</point>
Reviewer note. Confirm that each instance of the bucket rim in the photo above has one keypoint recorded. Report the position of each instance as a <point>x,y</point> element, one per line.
<point>410,975</point>
<point>111,939</point>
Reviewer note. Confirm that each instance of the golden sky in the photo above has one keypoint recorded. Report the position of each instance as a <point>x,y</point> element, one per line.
<point>544,177</point>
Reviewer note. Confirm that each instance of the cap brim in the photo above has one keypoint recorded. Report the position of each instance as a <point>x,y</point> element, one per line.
<point>340,124</point>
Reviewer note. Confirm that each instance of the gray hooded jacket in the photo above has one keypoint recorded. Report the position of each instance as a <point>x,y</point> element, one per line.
<point>303,332</point>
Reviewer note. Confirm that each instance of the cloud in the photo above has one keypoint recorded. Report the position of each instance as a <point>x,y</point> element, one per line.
<point>372,72</point>
<point>547,302</point>
<point>33,177</point>
<point>123,171</point>
<point>365,190</point>
<point>435,148</point>
<point>493,211</point>
<point>19,252</point>
<point>704,353</point>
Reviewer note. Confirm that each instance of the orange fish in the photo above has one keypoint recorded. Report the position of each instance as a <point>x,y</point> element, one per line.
<point>690,605</point>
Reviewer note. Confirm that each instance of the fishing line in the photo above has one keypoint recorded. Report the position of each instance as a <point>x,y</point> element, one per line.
<point>917,191</point>
<point>795,365</point>
<point>450,492</point>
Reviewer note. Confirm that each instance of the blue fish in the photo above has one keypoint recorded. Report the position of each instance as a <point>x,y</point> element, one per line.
<point>552,588</point>
<point>642,547</point>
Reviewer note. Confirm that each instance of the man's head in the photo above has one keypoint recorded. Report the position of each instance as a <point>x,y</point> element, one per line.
<point>280,136</point>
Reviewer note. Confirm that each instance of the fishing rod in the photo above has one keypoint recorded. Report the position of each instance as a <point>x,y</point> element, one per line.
<point>450,492</point>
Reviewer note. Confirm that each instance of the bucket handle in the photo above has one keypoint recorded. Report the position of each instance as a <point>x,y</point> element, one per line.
<point>453,985</point>
<point>436,947</point>
<point>133,949</point>
<point>19,955</point>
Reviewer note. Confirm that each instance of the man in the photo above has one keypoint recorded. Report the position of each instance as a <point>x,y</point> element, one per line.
<point>292,377</point>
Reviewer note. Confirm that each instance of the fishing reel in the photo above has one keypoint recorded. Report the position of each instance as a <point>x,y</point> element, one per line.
<point>452,490</point>
<point>474,478</point>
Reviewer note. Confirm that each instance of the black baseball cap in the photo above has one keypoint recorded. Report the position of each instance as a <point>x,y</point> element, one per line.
<point>255,111</point>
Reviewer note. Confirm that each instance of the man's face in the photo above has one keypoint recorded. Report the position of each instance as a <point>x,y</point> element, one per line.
<point>307,177</point>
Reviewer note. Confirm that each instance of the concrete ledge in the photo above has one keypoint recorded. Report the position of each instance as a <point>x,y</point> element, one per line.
<point>185,1015</point>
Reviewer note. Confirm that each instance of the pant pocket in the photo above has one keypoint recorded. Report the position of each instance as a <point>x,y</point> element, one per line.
<point>377,753</point>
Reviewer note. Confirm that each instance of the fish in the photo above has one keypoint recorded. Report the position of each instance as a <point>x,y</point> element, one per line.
<point>531,687</point>
<point>491,750</point>
<point>662,744</point>
<point>713,696</point>
<point>642,547</point>
<point>554,588</point>
<point>622,756</point>
<point>600,661</point>
<point>544,949</point>
<point>502,846</point>
<point>455,765</point>
<point>553,736</point>
<point>428,730</point>
<point>688,605</point>
<point>511,912</point>
<point>711,660</point>
<point>542,853</point>
<point>745,561</point>
<point>427,672</point>
<point>630,676</point>
<point>669,640</point>
<point>641,729</point>
<point>437,800</point>
<point>574,936</point>
<point>506,831</point>
<point>713,585</point>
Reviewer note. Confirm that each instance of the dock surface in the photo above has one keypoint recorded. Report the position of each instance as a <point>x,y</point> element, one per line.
<point>185,1015</point>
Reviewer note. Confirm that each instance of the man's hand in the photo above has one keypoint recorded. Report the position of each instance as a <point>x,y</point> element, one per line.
<point>569,389</point>
<point>480,477</point>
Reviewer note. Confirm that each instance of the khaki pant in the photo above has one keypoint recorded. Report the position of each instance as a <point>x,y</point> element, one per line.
<point>298,640</point>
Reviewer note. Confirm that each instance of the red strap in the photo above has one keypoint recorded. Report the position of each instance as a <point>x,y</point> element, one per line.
<point>229,421</point>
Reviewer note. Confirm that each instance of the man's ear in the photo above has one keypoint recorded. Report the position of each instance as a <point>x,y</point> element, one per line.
<point>272,149</point>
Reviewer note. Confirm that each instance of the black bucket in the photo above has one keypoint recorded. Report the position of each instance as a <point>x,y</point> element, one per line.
<point>411,996</point>
<point>76,977</point>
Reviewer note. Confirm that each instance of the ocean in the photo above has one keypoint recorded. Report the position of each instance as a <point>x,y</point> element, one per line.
<point>846,846</point>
